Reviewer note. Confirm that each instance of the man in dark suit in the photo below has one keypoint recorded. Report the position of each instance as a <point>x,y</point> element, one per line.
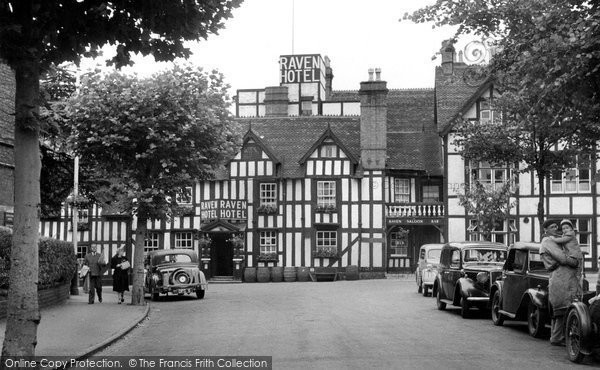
<point>96,262</point>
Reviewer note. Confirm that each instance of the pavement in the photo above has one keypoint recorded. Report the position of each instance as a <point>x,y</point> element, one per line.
<point>76,329</point>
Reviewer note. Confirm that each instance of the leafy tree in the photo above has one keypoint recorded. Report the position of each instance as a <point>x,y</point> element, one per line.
<point>35,34</point>
<point>548,70</point>
<point>489,206</point>
<point>149,138</point>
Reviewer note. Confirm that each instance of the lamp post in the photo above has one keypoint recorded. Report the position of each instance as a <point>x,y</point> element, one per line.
<point>75,285</point>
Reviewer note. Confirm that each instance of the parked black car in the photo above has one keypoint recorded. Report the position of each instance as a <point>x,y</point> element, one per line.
<point>173,271</point>
<point>582,331</point>
<point>522,291</point>
<point>466,273</point>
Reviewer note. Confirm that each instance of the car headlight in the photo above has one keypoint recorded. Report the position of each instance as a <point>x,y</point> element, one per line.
<point>482,277</point>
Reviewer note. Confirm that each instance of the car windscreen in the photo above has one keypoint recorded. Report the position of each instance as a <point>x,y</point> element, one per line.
<point>484,255</point>
<point>172,258</point>
<point>434,254</point>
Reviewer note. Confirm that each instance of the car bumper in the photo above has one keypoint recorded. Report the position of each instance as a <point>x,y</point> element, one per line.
<point>478,299</point>
<point>181,289</point>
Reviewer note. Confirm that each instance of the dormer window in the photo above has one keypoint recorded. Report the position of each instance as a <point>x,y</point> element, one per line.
<point>328,149</point>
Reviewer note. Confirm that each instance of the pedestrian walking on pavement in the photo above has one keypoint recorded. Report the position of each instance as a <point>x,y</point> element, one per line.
<point>120,265</point>
<point>96,262</point>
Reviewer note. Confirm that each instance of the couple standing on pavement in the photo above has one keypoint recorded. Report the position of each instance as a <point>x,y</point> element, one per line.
<point>96,263</point>
<point>563,258</point>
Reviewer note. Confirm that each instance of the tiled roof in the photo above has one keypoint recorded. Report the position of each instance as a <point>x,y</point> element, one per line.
<point>291,137</point>
<point>413,142</point>
<point>453,92</point>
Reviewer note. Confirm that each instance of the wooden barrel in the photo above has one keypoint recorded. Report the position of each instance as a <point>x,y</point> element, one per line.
<point>250,275</point>
<point>352,272</point>
<point>263,275</point>
<point>289,274</point>
<point>303,274</point>
<point>277,274</point>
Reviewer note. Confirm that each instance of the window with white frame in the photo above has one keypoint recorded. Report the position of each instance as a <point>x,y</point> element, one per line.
<point>268,194</point>
<point>504,231</point>
<point>151,241</point>
<point>184,196</point>
<point>402,190</point>
<point>184,239</point>
<point>399,242</point>
<point>493,177</point>
<point>326,196</point>
<point>268,242</point>
<point>573,180</point>
<point>327,240</point>
<point>487,114</point>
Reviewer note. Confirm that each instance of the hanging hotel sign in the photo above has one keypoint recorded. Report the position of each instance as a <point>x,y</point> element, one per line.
<point>223,209</point>
<point>300,68</point>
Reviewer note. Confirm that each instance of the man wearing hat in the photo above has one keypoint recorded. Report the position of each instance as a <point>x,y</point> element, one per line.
<point>562,279</point>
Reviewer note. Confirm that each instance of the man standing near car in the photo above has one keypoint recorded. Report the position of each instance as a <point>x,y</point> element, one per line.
<point>96,262</point>
<point>563,280</point>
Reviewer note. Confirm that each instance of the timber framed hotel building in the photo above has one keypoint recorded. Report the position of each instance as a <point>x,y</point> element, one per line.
<point>328,178</point>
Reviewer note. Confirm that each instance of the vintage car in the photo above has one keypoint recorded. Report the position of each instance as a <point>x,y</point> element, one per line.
<point>522,291</point>
<point>426,272</point>
<point>582,333</point>
<point>466,273</point>
<point>173,271</point>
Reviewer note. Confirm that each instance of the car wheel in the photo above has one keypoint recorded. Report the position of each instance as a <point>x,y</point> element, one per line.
<point>438,298</point>
<point>425,291</point>
<point>419,285</point>
<point>497,318</point>
<point>465,309</point>
<point>574,337</point>
<point>155,296</point>
<point>536,321</point>
<point>200,293</point>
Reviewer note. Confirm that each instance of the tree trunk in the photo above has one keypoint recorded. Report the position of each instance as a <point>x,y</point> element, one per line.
<point>137,292</point>
<point>23,315</point>
<point>541,199</point>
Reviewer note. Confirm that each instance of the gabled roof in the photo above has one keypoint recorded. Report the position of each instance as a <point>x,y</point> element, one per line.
<point>328,134</point>
<point>290,138</point>
<point>250,135</point>
<point>455,93</point>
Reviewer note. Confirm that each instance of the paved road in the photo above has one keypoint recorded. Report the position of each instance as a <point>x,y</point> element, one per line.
<point>380,324</point>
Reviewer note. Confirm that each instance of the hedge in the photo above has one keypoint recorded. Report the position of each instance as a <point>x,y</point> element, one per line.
<point>57,260</point>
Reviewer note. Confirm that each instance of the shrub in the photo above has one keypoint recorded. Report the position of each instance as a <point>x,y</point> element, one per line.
<point>57,261</point>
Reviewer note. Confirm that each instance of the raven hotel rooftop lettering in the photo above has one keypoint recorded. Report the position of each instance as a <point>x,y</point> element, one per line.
<point>300,68</point>
<point>223,209</point>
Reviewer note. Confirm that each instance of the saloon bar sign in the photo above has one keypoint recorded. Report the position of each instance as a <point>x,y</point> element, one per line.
<point>223,209</point>
<point>300,68</point>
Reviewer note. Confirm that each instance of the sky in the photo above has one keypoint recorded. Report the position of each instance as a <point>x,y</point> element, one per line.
<point>355,34</point>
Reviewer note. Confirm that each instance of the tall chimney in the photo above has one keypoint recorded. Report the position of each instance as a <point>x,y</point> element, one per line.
<point>447,52</point>
<point>276,101</point>
<point>328,79</point>
<point>373,122</point>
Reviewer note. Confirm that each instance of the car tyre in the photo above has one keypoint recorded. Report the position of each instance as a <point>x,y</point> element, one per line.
<point>536,321</point>
<point>200,293</point>
<point>155,296</point>
<point>574,337</point>
<point>419,285</point>
<point>497,318</point>
<point>438,298</point>
<point>465,308</point>
<point>425,291</point>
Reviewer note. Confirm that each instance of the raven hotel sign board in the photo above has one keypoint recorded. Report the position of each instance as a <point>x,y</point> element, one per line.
<point>223,209</point>
<point>300,68</point>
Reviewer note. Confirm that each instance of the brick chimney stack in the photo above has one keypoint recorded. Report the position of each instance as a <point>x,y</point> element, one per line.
<point>373,121</point>
<point>328,78</point>
<point>276,101</point>
<point>447,52</point>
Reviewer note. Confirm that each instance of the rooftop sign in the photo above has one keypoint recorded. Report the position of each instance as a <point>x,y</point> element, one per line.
<point>300,68</point>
